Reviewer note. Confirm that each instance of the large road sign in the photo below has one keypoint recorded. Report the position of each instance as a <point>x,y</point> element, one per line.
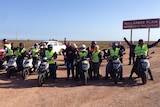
<point>144,23</point>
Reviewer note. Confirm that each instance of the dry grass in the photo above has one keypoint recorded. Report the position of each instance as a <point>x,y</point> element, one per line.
<point>102,44</point>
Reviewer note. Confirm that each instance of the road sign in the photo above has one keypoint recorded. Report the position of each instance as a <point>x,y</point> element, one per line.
<point>144,23</point>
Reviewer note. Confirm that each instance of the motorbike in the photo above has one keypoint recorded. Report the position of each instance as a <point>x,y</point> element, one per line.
<point>116,68</point>
<point>11,66</point>
<point>84,69</point>
<point>28,67</point>
<point>43,71</point>
<point>143,67</point>
<point>3,62</point>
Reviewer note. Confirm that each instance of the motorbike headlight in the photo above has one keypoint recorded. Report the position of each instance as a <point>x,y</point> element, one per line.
<point>26,62</point>
<point>144,65</point>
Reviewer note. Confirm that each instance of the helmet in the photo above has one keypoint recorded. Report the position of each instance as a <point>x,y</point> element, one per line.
<point>93,43</point>
<point>140,41</point>
<point>83,47</point>
<point>21,44</point>
<point>74,45</point>
<point>50,46</point>
<point>114,44</point>
<point>36,44</point>
<point>4,40</point>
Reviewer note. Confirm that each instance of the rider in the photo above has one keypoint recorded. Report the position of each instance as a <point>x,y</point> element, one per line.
<point>43,48</point>
<point>51,56</point>
<point>141,49</point>
<point>81,54</point>
<point>113,51</point>
<point>7,48</point>
<point>20,54</point>
<point>35,55</point>
<point>96,61</point>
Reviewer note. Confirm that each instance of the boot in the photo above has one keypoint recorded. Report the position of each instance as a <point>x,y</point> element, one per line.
<point>150,74</point>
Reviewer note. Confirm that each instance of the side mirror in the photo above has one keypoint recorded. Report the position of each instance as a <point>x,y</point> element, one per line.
<point>152,52</point>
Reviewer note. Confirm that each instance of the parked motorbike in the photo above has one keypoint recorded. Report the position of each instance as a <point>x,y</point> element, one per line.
<point>11,66</point>
<point>84,69</point>
<point>27,66</point>
<point>116,68</point>
<point>3,62</point>
<point>43,71</point>
<point>143,66</point>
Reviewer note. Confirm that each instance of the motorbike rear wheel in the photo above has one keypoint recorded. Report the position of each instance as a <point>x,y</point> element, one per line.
<point>8,74</point>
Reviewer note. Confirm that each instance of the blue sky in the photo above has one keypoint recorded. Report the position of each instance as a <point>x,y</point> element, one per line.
<point>99,20</point>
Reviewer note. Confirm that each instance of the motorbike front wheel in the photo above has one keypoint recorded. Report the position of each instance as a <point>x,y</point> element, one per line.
<point>25,73</point>
<point>114,76</point>
<point>144,77</point>
<point>41,79</point>
<point>8,74</point>
<point>85,77</point>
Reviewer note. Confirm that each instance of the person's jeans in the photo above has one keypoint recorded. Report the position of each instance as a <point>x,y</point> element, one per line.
<point>52,70</point>
<point>70,66</point>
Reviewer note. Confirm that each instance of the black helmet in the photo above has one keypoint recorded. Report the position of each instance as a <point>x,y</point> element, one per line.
<point>140,40</point>
<point>93,43</point>
<point>4,40</point>
<point>50,46</point>
<point>114,44</point>
<point>36,44</point>
<point>21,44</point>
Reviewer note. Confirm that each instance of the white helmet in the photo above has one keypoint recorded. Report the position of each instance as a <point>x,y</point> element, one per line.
<point>74,45</point>
<point>83,47</point>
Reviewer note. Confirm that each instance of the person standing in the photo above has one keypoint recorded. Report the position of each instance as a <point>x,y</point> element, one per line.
<point>96,61</point>
<point>131,52</point>
<point>122,49</point>
<point>70,57</point>
<point>90,50</point>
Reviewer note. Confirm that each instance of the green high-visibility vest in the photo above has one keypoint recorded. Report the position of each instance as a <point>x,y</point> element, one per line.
<point>82,54</point>
<point>95,57</point>
<point>9,52</point>
<point>49,54</point>
<point>35,52</point>
<point>141,50</point>
<point>19,53</point>
<point>114,52</point>
<point>8,46</point>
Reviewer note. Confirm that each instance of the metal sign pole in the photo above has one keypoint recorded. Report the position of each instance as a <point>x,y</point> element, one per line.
<point>131,36</point>
<point>148,35</point>
<point>148,38</point>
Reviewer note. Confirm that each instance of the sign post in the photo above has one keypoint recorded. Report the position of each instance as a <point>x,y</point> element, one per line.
<point>143,23</point>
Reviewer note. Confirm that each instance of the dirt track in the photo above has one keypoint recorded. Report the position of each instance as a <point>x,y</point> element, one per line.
<point>15,92</point>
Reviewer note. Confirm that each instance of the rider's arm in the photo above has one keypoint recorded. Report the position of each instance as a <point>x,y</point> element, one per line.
<point>127,42</point>
<point>55,55</point>
<point>154,44</point>
<point>100,57</point>
<point>120,53</point>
